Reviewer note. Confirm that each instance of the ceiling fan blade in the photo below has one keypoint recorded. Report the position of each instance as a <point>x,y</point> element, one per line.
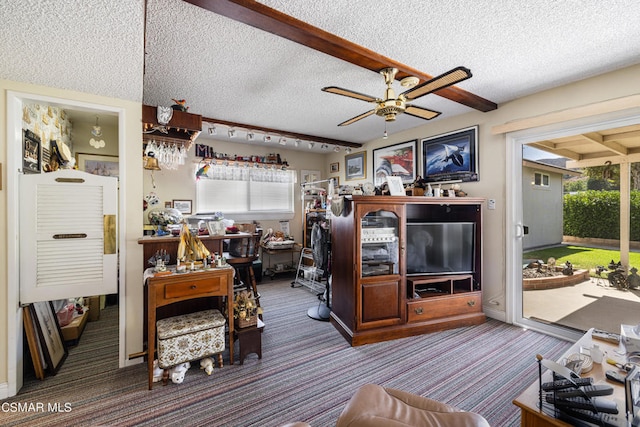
<point>356,118</point>
<point>444,80</point>
<point>349,93</point>
<point>421,113</point>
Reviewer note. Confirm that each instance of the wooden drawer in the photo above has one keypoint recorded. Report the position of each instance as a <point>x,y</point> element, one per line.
<point>193,287</point>
<point>435,308</point>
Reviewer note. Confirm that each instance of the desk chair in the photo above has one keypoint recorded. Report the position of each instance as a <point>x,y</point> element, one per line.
<point>242,253</point>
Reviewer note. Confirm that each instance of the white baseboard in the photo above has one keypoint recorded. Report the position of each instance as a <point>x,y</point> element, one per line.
<point>131,362</point>
<point>4,390</point>
<point>495,314</point>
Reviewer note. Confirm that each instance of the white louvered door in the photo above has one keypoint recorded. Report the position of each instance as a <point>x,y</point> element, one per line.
<point>68,235</point>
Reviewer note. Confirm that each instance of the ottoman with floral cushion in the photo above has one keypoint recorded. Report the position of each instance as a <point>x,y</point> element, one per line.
<point>189,337</point>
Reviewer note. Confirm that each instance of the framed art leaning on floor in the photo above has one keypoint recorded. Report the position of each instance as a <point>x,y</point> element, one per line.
<point>50,335</point>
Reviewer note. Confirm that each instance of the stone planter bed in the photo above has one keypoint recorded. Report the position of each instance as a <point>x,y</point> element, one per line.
<point>552,282</point>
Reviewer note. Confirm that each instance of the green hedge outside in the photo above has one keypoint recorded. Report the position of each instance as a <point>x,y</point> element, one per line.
<point>596,214</point>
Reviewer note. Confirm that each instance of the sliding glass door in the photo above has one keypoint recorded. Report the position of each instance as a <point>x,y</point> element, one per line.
<point>535,235</point>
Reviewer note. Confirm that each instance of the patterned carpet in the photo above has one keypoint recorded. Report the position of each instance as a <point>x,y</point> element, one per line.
<point>307,373</point>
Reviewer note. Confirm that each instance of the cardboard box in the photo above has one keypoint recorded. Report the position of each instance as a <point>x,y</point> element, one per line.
<point>94,308</point>
<point>72,332</point>
<point>629,338</point>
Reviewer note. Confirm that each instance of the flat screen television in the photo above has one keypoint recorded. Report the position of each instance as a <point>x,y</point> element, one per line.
<point>440,248</point>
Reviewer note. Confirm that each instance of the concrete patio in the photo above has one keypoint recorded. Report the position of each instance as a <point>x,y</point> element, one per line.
<point>589,304</point>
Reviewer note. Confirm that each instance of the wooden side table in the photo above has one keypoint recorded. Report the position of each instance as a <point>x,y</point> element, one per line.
<point>250,341</point>
<point>530,413</point>
<point>168,289</point>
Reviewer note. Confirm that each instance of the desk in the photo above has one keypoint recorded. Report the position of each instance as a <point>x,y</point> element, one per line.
<point>168,289</point>
<point>532,416</point>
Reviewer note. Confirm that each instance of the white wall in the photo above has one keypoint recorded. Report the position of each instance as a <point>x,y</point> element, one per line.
<point>180,184</point>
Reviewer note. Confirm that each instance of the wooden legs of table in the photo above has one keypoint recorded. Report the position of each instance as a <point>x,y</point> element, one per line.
<point>254,287</point>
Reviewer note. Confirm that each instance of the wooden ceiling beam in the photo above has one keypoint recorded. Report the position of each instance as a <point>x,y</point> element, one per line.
<point>265,18</point>
<point>610,145</point>
<point>623,135</point>
<point>550,147</point>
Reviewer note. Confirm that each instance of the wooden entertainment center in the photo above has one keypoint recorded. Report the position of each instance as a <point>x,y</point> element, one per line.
<point>373,297</point>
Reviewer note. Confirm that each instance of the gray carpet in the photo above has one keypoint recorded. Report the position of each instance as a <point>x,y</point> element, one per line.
<point>307,373</point>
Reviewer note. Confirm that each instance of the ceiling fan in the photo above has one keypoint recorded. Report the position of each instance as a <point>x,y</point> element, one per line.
<point>390,106</point>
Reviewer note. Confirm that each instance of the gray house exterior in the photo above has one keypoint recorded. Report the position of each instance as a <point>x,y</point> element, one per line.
<point>542,202</point>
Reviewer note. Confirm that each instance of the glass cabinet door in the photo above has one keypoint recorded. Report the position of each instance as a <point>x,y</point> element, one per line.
<point>379,243</point>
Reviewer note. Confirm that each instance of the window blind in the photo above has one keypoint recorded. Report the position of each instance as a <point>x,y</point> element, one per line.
<point>241,194</point>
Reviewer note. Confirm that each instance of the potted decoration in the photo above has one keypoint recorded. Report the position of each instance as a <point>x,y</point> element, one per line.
<point>245,310</point>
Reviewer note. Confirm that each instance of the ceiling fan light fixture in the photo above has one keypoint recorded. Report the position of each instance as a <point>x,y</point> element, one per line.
<point>97,129</point>
<point>391,105</point>
<point>409,81</point>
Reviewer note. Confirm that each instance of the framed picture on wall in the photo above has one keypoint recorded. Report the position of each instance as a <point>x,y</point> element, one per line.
<point>31,155</point>
<point>98,165</point>
<point>451,157</point>
<point>355,166</point>
<point>334,167</point>
<point>395,160</point>
<point>309,176</point>
<point>183,206</point>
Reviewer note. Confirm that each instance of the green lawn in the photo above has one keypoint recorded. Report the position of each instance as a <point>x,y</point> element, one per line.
<point>581,257</point>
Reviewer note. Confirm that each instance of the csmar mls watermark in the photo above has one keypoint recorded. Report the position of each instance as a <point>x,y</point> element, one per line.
<point>35,407</point>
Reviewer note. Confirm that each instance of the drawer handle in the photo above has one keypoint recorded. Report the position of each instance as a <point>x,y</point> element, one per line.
<point>419,310</point>
<point>194,287</point>
<point>471,303</point>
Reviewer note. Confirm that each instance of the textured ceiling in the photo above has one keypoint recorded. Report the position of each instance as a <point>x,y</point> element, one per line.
<point>92,47</point>
<point>230,71</point>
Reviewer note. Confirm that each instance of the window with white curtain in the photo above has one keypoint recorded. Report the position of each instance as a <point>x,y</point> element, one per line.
<point>245,192</point>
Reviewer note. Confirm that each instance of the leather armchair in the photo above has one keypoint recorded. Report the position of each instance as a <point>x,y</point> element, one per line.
<point>376,406</point>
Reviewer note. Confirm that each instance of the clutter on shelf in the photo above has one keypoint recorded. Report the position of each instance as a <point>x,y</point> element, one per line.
<point>207,152</point>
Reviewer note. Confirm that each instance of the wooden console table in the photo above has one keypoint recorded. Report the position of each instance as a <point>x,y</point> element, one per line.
<point>528,402</point>
<point>168,289</point>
